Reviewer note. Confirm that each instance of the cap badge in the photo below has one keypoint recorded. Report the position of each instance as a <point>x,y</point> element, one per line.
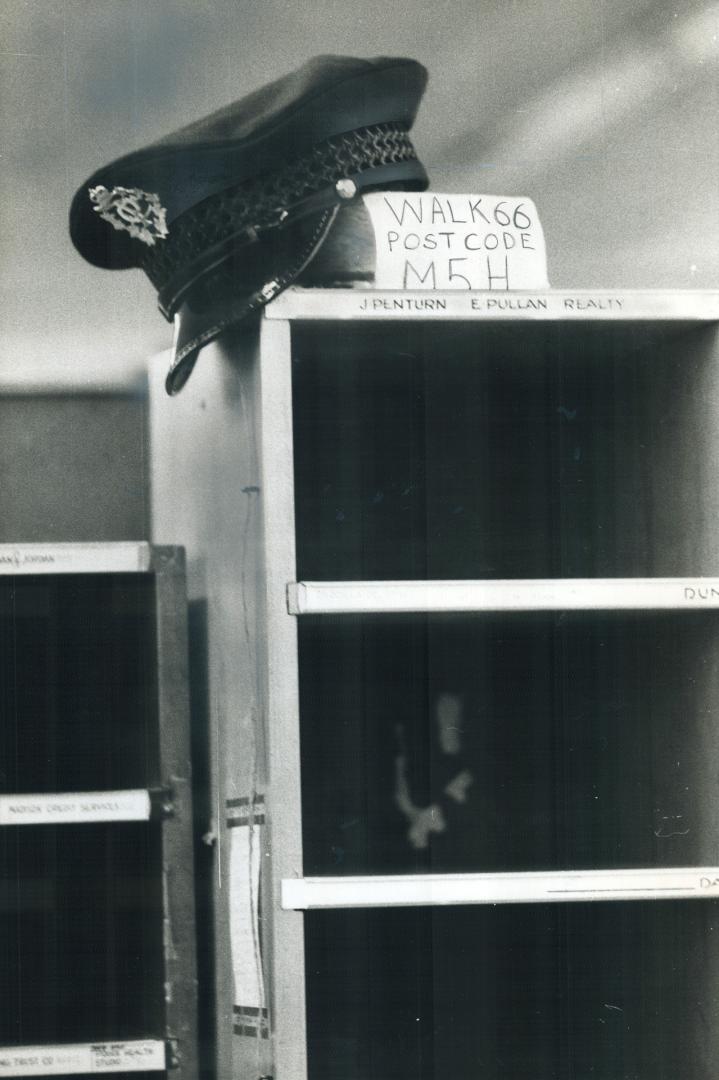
<point>132,210</point>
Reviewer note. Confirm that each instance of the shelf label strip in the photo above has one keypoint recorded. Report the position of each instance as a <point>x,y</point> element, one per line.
<point>557,594</point>
<point>557,886</point>
<point>560,305</point>
<point>110,558</point>
<point>76,807</point>
<point>133,1055</point>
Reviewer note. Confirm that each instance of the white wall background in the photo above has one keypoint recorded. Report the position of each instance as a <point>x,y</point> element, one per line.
<point>602,111</point>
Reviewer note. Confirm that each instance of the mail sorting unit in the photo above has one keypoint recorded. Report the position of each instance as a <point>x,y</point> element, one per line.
<point>97,937</point>
<point>455,569</point>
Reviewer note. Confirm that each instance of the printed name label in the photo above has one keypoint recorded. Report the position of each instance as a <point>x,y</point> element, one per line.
<point>585,305</point>
<point>74,558</point>
<point>139,1055</point>
<point>88,806</point>
<point>440,241</point>
<point>500,306</point>
<point>709,593</point>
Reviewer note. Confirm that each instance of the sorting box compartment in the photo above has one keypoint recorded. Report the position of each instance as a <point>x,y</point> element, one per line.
<point>504,450</point>
<point>78,683</point>
<point>586,739</point>
<point>81,933</point>
<point>97,935</point>
<point>529,992</point>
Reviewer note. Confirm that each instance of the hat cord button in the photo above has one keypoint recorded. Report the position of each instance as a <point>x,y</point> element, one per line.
<point>346,188</point>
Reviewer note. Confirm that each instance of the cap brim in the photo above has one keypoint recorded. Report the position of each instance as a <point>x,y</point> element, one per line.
<point>239,287</point>
<point>194,330</point>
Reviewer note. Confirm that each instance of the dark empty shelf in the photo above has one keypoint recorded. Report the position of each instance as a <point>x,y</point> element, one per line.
<point>526,992</point>
<point>81,934</point>
<point>566,740</point>
<point>504,450</point>
<point>78,684</point>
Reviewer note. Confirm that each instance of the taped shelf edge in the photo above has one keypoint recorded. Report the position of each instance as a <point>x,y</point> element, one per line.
<point>554,594</point>
<point>555,886</point>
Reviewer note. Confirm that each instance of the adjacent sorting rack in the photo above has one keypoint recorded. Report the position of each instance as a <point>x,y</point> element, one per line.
<point>100,954</point>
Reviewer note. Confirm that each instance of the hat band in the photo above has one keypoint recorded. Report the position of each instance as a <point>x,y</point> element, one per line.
<point>254,205</point>
<point>172,294</point>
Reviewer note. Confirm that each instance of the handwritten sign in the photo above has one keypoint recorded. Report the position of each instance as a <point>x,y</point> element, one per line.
<point>88,806</point>
<point>436,241</point>
<point>134,1055</point>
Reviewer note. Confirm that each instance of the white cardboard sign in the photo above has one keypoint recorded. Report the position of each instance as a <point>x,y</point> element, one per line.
<point>431,240</point>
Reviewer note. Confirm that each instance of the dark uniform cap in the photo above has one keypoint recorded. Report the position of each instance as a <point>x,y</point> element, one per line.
<point>226,212</point>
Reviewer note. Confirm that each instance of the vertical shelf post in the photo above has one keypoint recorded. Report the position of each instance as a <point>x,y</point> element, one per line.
<point>222,486</point>
<point>177,839</point>
<point>282,704</point>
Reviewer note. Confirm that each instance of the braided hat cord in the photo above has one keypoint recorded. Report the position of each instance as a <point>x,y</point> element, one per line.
<point>257,201</point>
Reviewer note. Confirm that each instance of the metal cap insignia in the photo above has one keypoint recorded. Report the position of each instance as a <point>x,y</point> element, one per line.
<point>137,212</point>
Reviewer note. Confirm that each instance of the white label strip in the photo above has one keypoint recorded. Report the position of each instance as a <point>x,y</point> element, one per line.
<point>82,807</point>
<point>556,594</point>
<point>74,558</point>
<point>134,1055</point>
<point>595,305</point>
<point>245,858</point>
<point>439,889</point>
